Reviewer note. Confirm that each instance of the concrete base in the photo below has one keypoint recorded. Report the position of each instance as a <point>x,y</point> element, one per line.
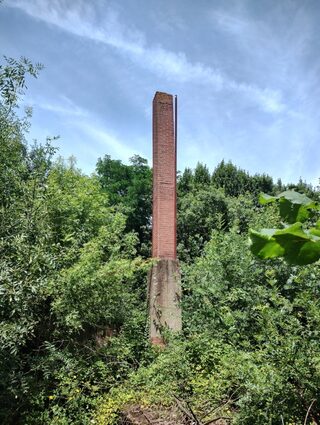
<point>164,288</point>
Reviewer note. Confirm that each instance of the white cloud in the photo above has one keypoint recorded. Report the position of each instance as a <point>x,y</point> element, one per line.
<point>270,100</point>
<point>116,148</point>
<point>64,107</point>
<point>91,131</point>
<point>176,65</point>
<point>232,24</point>
<point>80,19</point>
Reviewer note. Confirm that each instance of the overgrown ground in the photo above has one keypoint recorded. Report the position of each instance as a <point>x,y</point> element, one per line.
<point>250,349</point>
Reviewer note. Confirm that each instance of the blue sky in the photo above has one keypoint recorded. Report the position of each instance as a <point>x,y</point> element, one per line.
<point>246,72</point>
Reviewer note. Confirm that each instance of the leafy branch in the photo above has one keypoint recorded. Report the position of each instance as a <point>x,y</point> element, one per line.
<point>13,79</point>
<point>296,243</point>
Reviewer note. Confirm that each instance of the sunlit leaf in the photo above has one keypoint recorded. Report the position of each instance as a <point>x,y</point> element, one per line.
<point>296,245</point>
<point>264,245</point>
<point>264,198</point>
<point>294,206</point>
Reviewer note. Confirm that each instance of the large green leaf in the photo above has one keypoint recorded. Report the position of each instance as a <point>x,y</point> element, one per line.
<point>264,245</point>
<point>300,247</point>
<point>294,206</point>
<point>296,245</point>
<point>264,198</point>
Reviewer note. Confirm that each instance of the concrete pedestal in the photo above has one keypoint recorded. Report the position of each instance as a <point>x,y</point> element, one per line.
<point>164,285</point>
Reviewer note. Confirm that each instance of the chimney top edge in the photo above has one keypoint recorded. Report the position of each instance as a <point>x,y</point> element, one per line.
<point>164,97</point>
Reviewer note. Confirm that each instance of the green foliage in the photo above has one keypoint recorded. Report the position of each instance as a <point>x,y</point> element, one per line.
<point>201,175</point>
<point>185,181</point>
<point>114,177</point>
<point>250,350</point>
<point>15,161</point>
<point>236,181</point>
<point>72,305</point>
<point>302,187</point>
<point>293,206</point>
<point>13,79</point>
<point>129,186</point>
<point>296,244</point>
<point>200,211</point>
<point>73,339</point>
<point>204,209</point>
<point>270,322</point>
<point>77,208</point>
<point>225,201</point>
<point>26,265</point>
<point>70,300</point>
<point>68,287</point>
<point>292,243</point>
<point>96,291</point>
<point>233,180</point>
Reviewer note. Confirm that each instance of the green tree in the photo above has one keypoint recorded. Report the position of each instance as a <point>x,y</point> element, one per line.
<point>13,153</point>
<point>130,187</point>
<point>185,181</point>
<point>236,181</point>
<point>200,211</point>
<point>201,175</point>
<point>115,178</point>
<point>77,208</point>
<point>72,305</point>
<point>13,80</point>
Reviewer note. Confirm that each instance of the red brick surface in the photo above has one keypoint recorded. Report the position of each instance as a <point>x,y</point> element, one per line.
<point>164,242</point>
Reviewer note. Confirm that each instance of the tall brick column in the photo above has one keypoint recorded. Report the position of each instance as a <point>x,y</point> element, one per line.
<point>164,278</point>
<point>164,239</point>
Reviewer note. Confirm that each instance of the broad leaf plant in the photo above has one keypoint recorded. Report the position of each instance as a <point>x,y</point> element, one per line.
<point>298,242</point>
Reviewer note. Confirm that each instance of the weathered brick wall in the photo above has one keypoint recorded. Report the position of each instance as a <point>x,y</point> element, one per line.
<point>164,240</point>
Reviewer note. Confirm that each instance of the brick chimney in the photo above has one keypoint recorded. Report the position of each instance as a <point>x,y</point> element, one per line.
<point>164,277</point>
<point>164,214</point>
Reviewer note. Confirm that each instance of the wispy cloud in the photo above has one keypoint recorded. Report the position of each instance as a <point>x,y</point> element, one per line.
<point>232,24</point>
<point>61,106</point>
<point>91,130</point>
<point>114,145</point>
<point>80,19</point>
